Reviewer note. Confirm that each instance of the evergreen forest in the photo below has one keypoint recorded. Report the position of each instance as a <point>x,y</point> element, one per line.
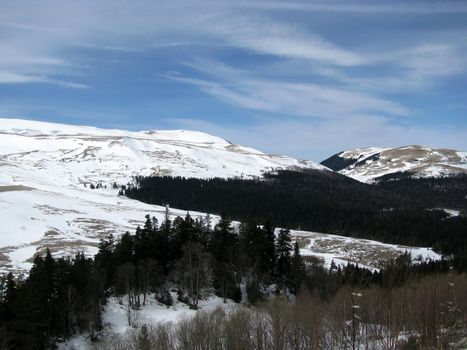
<point>407,211</point>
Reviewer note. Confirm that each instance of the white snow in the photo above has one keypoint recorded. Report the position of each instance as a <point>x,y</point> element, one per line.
<point>76,154</point>
<point>44,168</point>
<point>362,153</point>
<point>420,160</point>
<point>115,316</point>
<point>451,212</point>
<point>342,250</point>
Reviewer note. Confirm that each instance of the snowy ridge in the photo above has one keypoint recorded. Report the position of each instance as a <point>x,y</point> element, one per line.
<point>367,164</point>
<point>86,154</point>
<point>46,170</point>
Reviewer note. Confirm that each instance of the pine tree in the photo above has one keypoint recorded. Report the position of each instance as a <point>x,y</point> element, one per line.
<point>283,250</point>
<point>8,302</point>
<point>104,260</point>
<point>297,274</point>
<point>167,223</point>
<point>35,307</point>
<point>223,246</point>
<point>148,227</point>
<point>269,248</point>
<point>124,250</point>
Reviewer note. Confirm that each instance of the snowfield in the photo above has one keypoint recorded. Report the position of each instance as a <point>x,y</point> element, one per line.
<point>66,222</point>
<point>371,163</point>
<point>366,253</point>
<point>116,316</point>
<point>46,171</point>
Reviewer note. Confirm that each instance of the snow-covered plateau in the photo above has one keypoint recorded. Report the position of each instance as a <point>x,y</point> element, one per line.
<point>46,199</point>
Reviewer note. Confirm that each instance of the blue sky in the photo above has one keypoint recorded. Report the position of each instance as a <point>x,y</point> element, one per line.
<point>303,78</point>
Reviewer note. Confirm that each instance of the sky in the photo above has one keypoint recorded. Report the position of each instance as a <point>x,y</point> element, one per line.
<point>302,78</point>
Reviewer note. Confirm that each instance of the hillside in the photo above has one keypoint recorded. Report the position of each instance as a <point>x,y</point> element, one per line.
<point>78,154</point>
<point>47,171</point>
<point>369,164</point>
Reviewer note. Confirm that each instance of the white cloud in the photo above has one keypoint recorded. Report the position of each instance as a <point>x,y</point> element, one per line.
<point>242,88</point>
<point>14,78</point>
<point>366,7</point>
<point>264,36</point>
<point>422,67</point>
<point>436,60</point>
<point>39,36</point>
<point>39,41</point>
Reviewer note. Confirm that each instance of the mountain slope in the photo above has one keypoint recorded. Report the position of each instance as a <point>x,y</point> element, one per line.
<point>369,164</point>
<point>46,173</point>
<point>84,154</point>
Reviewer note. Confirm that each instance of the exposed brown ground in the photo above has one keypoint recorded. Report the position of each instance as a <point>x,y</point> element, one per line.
<point>13,188</point>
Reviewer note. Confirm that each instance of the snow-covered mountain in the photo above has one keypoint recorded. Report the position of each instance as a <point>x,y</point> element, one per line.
<point>46,171</point>
<point>368,164</point>
<point>81,155</point>
<point>46,199</point>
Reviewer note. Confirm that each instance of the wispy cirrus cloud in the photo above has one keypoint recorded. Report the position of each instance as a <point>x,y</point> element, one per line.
<point>14,78</point>
<point>54,27</point>
<point>366,7</point>
<point>419,68</point>
<point>25,60</point>
<point>326,66</point>
<point>245,89</point>
<point>264,36</point>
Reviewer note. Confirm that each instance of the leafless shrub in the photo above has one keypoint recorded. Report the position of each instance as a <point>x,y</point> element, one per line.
<point>422,314</point>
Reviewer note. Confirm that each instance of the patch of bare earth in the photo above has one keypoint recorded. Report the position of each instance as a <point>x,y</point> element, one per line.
<point>50,210</point>
<point>58,247</point>
<point>4,260</point>
<point>352,251</point>
<point>96,228</point>
<point>15,188</point>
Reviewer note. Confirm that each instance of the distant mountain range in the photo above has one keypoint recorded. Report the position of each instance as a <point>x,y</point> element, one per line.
<point>370,164</point>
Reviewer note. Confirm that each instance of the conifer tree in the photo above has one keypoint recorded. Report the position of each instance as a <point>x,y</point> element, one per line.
<point>104,260</point>
<point>269,246</point>
<point>223,246</point>
<point>283,250</point>
<point>124,249</point>
<point>297,273</point>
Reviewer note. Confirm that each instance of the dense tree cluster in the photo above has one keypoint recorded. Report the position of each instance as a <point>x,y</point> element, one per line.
<point>191,255</point>
<point>402,212</point>
<point>63,296</point>
<point>444,192</point>
<point>59,297</point>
